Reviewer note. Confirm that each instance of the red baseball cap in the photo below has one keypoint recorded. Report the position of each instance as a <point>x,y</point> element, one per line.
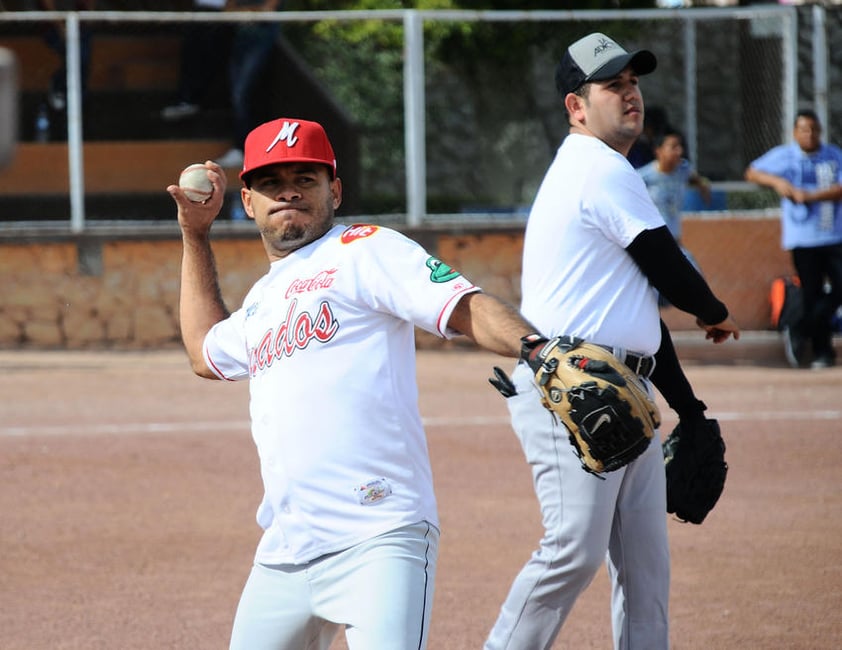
<point>287,140</point>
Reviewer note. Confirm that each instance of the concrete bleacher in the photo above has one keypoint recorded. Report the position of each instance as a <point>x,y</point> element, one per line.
<point>130,154</point>
<point>128,149</point>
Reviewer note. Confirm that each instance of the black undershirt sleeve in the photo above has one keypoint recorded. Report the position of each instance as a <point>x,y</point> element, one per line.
<point>672,383</point>
<point>670,272</point>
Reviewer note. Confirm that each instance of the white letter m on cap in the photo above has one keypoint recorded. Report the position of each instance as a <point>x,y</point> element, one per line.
<point>287,133</point>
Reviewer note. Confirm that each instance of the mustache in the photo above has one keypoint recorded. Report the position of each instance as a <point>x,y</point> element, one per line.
<point>285,207</point>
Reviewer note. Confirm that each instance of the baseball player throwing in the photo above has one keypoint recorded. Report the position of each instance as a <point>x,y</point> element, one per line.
<point>596,250</point>
<point>326,340</point>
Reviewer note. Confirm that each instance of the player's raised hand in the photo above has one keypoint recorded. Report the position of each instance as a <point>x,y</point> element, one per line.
<point>198,215</point>
<point>720,331</point>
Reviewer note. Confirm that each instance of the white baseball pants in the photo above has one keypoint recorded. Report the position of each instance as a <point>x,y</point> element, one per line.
<point>620,520</point>
<point>381,591</point>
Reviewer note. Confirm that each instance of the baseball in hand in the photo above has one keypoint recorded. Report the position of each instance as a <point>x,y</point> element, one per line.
<point>195,183</point>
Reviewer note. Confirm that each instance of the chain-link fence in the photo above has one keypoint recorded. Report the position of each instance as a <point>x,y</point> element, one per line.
<point>466,120</point>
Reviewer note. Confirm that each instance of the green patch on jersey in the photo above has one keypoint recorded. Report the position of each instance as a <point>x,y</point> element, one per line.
<point>441,272</point>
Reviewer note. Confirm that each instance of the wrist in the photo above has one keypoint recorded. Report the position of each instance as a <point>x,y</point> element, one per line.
<point>692,411</point>
<point>531,345</point>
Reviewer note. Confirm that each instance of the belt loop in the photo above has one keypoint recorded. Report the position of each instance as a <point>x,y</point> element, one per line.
<point>645,366</point>
<point>652,365</point>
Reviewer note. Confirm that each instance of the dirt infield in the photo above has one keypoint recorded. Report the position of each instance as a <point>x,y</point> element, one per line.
<point>129,489</point>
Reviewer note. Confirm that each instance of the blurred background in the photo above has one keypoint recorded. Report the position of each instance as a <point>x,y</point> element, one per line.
<point>730,78</point>
<point>443,114</point>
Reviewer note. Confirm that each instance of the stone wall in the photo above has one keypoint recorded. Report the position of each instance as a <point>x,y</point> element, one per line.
<point>121,291</point>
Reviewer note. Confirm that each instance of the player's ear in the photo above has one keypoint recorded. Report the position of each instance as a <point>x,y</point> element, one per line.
<point>336,192</point>
<point>245,196</point>
<point>574,104</point>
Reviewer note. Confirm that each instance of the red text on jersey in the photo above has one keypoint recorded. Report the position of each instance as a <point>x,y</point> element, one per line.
<point>295,333</point>
<point>322,280</point>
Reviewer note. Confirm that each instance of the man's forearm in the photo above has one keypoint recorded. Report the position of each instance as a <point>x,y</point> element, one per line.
<point>201,305</point>
<point>491,323</point>
<point>832,193</point>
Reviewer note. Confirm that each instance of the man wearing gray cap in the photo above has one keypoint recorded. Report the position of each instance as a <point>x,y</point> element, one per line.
<point>596,254</point>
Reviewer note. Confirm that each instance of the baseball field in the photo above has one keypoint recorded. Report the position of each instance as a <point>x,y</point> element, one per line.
<point>129,488</point>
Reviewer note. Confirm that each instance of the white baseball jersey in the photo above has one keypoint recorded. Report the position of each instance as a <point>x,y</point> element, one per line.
<point>577,279</point>
<point>326,339</point>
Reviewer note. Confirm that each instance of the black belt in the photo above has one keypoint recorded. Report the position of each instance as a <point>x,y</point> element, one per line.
<point>640,364</point>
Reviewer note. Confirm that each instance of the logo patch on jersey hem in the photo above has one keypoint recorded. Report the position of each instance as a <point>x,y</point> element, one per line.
<point>441,272</point>
<point>373,491</point>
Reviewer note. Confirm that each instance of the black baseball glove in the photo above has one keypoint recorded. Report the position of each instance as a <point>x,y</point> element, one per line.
<point>607,410</point>
<point>694,459</point>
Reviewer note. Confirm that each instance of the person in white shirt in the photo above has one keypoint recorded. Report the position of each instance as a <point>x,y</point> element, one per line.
<point>326,340</point>
<point>596,252</point>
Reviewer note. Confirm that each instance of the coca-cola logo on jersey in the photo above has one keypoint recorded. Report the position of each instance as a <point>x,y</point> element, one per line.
<point>322,280</point>
<point>296,332</point>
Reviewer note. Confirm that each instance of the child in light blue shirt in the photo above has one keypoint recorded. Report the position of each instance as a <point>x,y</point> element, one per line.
<point>668,176</point>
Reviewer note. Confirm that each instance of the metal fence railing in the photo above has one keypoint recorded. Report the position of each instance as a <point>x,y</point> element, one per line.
<point>728,77</point>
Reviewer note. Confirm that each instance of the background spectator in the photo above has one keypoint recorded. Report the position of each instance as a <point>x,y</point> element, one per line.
<point>807,175</point>
<point>250,50</point>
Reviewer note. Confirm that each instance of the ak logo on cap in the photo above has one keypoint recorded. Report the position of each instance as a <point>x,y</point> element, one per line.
<point>604,44</point>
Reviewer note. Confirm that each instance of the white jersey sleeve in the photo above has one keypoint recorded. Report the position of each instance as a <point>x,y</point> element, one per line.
<point>398,277</point>
<point>229,359</point>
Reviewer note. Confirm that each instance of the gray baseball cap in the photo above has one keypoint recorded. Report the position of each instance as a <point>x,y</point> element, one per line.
<point>597,58</point>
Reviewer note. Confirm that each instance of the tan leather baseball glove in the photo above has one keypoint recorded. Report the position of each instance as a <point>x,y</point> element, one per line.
<point>604,405</point>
